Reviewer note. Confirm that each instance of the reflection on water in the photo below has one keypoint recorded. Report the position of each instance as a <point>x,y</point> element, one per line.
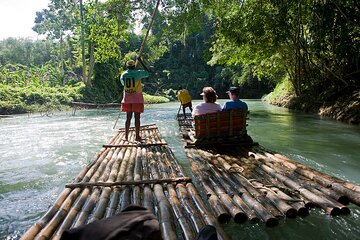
<point>39,155</point>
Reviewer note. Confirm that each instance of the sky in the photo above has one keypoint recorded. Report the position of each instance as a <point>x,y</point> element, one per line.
<point>17,17</point>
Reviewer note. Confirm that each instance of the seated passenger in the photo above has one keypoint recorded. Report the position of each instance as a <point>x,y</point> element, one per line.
<point>209,105</point>
<point>235,102</point>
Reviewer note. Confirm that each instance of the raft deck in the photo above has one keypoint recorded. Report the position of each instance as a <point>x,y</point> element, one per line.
<point>255,184</point>
<point>124,173</point>
<point>243,183</point>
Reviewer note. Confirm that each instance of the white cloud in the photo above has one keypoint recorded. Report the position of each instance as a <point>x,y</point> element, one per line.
<point>17,17</point>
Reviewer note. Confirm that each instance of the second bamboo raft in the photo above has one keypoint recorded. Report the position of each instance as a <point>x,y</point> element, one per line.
<point>255,184</point>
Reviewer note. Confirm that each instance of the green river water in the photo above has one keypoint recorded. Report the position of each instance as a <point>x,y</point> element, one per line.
<point>40,154</point>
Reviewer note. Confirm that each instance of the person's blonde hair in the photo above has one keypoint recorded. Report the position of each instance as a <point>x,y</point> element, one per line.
<point>210,94</point>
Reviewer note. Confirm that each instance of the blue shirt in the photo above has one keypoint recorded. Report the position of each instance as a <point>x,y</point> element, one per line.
<point>234,104</point>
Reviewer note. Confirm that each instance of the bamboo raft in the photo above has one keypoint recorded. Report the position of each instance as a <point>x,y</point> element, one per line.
<point>124,173</point>
<point>84,105</point>
<point>252,183</point>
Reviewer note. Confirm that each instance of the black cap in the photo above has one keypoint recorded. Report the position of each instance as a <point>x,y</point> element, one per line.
<point>233,90</point>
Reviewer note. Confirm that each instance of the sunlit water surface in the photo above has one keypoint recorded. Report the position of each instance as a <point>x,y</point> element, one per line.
<point>39,155</point>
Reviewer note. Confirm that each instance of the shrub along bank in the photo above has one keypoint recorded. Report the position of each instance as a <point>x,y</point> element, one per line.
<point>15,99</point>
<point>339,104</point>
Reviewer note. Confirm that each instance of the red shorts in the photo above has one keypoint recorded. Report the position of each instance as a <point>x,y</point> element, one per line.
<point>132,107</point>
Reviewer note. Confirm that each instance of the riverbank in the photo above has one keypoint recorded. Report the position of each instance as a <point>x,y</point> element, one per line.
<point>46,100</point>
<point>344,108</point>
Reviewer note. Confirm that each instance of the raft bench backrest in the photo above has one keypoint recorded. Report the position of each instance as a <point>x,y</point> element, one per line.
<point>221,124</point>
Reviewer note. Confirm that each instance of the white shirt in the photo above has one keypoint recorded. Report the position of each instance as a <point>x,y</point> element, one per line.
<point>204,108</point>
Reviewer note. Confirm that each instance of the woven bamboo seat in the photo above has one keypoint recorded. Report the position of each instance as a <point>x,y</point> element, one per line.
<point>222,124</point>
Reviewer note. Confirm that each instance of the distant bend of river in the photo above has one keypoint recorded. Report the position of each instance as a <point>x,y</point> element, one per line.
<point>39,155</point>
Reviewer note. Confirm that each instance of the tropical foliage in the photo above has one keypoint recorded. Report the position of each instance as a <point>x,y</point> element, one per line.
<point>311,45</point>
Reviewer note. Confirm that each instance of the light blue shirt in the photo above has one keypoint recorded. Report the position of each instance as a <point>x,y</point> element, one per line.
<point>234,105</point>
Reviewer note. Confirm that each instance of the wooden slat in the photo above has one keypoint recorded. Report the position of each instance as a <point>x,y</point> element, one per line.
<point>128,183</point>
<point>135,145</point>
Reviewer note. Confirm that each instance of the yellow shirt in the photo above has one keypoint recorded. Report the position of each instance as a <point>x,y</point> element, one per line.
<point>184,96</point>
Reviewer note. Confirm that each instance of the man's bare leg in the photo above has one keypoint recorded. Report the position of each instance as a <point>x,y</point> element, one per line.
<point>184,111</point>
<point>127,124</point>
<point>137,126</point>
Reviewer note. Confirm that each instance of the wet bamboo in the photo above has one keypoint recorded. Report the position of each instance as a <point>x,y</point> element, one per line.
<point>193,213</point>
<point>75,209</point>
<point>122,194</point>
<point>352,191</point>
<point>314,188</point>
<point>207,215</point>
<point>252,216</point>
<point>114,197</point>
<point>148,197</point>
<point>244,182</point>
<point>102,174</point>
<point>280,204</point>
<point>101,205</point>
<point>265,201</point>
<point>136,193</point>
<point>341,198</point>
<point>165,216</point>
<point>176,170</point>
<point>273,185</point>
<point>305,183</point>
<point>236,212</point>
<point>216,205</point>
<point>178,212</point>
<point>290,210</point>
<point>319,201</point>
<point>48,230</point>
<point>167,171</point>
<point>126,198</point>
<point>83,175</point>
<point>353,196</point>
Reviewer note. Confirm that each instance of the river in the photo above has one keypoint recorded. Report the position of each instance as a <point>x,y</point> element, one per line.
<point>40,154</point>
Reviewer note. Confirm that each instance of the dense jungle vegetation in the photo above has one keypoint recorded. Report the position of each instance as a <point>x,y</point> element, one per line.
<point>305,52</point>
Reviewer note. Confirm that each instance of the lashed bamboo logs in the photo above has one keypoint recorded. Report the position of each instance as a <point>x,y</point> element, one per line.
<point>184,193</point>
<point>347,189</point>
<point>249,197</point>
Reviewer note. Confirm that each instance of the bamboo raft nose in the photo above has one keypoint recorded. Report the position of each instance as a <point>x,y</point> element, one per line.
<point>265,185</point>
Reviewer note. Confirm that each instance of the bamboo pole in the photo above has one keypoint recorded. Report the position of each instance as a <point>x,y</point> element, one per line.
<point>319,201</point>
<point>75,209</point>
<point>136,193</point>
<point>236,212</point>
<point>216,205</point>
<point>48,230</point>
<point>128,183</point>
<point>165,216</point>
<point>334,205</point>
<point>207,215</point>
<point>167,171</point>
<point>102,174</point>
<point>178,212</point>
<point>280,204</point>
<point>273,185</point>
<point>250,200</point>
<point>126,199</point>
<point>348,189</point>
<point>114,196</point>
<point>193,213</point>
<point>262,180</point>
